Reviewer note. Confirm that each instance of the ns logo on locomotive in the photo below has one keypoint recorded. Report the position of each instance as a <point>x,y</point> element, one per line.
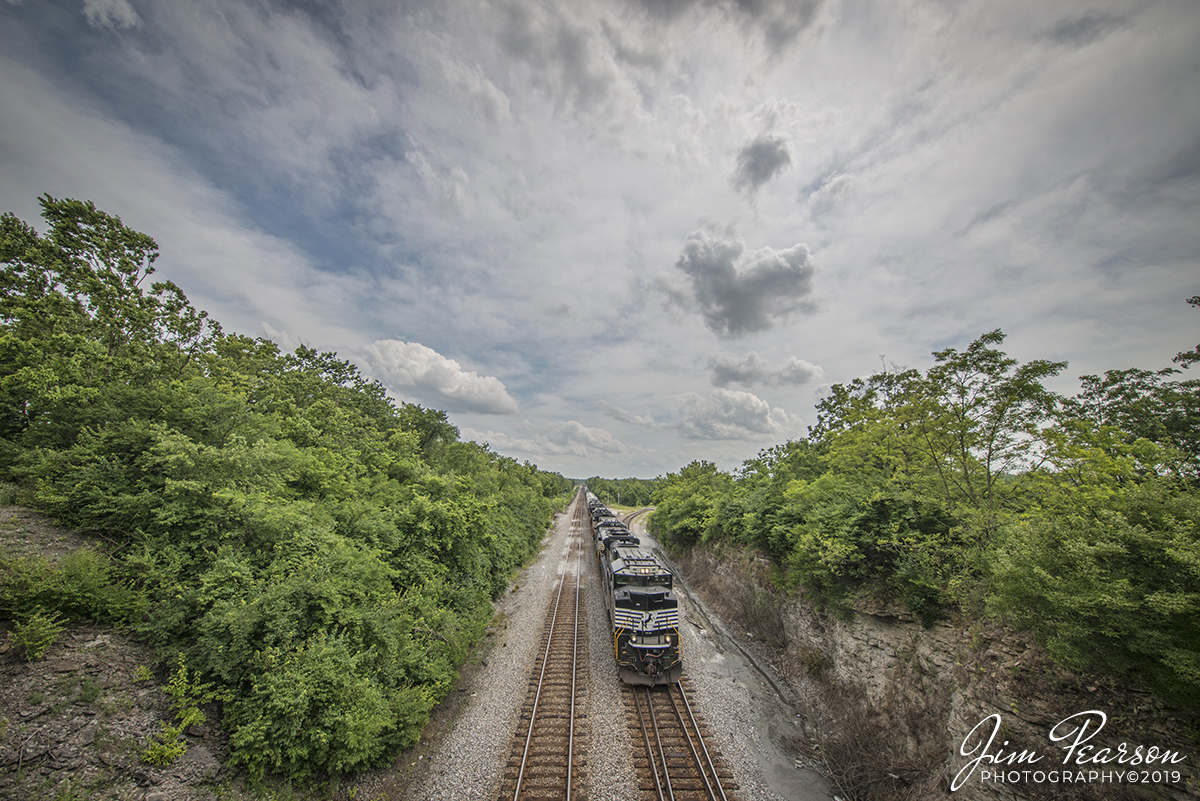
<point>642,606</point>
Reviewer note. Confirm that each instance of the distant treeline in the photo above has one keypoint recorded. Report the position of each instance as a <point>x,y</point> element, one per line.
<point>972,490</point>
<point>314,555</point>
<point>624,491</point>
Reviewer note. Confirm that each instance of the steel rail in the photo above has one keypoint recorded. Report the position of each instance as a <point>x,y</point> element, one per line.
<point>574,655</point>
<point>683,724</point>
<point>704,747</point>
<point>542,678</point>
<point>658,785</point>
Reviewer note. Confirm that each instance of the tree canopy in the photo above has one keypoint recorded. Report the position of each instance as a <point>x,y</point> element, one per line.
<point>319,553</point>
<point>972,487</point>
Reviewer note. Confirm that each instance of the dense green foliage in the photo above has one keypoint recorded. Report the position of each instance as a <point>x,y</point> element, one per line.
<point>320,554</point>
<point>973,487</point>
<point>623,491</point>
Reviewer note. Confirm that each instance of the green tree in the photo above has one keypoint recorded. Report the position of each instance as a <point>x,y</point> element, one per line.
<point>1189,357</point>
<point>1145,404</point>
<point>323,556</point>
<point>686,504</point>
<point>1109,579</point>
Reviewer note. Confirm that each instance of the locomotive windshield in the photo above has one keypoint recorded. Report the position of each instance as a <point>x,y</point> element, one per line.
<point>646,601</point>
<point>638,567</point>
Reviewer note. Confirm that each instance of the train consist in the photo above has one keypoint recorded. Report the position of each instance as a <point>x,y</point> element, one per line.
<point>642,605</point>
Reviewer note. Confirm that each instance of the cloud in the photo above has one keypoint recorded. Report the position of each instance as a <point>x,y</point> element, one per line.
<point>412,368</point>
<point>753,370</point>
<point>450,187</point>
<point>624,416</point>
<point>729,414</point>
<point>1084,30</point>
<point>574,437</point>
<point>567,57</point>
<point>110,14</point>
<point>479,90</point>
<point>737,292</point>
<point>564,437</point>
<point>779,21</point>
<point>830,194</point>
<point>760,161</point>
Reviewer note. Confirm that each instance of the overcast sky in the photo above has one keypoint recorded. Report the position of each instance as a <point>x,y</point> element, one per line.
<point>613,237</point>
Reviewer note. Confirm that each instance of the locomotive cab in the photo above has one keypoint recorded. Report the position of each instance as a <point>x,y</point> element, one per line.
<point>645,615</point>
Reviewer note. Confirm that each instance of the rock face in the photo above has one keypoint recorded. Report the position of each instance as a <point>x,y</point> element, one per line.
<point>892,705</point>
<point>75,723</point>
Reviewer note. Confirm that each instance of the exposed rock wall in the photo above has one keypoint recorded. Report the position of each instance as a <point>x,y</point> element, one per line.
<point>891,703</point>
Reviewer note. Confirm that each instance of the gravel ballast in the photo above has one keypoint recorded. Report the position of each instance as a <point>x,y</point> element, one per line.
<point>465,757</point>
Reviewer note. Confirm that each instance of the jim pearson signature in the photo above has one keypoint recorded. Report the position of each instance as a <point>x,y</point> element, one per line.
<point>1075,732</point>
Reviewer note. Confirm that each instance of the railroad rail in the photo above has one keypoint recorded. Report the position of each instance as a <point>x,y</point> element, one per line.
<point>676,762</point>
<point>547,756</point>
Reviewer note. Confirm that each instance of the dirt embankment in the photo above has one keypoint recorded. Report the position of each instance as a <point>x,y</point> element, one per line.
<point>891,703</point>
<point>75,723</point>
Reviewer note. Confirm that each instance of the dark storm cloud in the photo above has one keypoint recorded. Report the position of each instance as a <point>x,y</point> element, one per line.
<point>760,161</point>
<point>754,370</point>
<point>737,292</point>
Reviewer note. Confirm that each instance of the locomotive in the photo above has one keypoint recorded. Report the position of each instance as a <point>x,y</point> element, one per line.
<point>642,605</point>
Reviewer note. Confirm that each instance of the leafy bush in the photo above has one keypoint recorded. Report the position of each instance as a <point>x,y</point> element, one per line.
<point>82,585</point>
<point>971,484</point>
<point>323,557</point>
<point>1115,590</point>
<point>186,696</point>
<point>34,635</point>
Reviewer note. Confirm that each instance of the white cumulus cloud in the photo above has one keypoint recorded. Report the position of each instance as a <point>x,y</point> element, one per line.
<point>556,438</point>
<point>754,370</point>
<point>414,369</point>
<point>624,415</point>
<point>729,414</point>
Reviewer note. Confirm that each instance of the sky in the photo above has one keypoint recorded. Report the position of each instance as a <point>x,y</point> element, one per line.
<point>613,237</point>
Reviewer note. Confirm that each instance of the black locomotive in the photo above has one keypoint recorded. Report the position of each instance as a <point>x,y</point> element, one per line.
<point>642,605</point>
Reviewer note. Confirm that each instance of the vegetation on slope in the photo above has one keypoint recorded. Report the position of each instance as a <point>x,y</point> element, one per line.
<point>973,488</point>
<point>320,554</point>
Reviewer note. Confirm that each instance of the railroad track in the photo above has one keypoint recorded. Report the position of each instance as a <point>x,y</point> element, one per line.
<point>676,761</point>
<point>547,757</point>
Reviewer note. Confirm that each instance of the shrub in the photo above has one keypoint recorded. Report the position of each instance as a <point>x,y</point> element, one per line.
<point>1116,591</point>
<point>36,634</point>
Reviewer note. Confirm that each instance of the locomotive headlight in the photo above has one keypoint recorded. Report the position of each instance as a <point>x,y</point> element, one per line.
<point>668,639</point>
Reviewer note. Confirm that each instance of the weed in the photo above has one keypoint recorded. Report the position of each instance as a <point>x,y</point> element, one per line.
<point>35,636</point>
<point>89,691</point>
<point>185,700</point>
<point>815,662</point>
<point>68,790</point>
<point>977,641</point>
<point>167,748</point>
